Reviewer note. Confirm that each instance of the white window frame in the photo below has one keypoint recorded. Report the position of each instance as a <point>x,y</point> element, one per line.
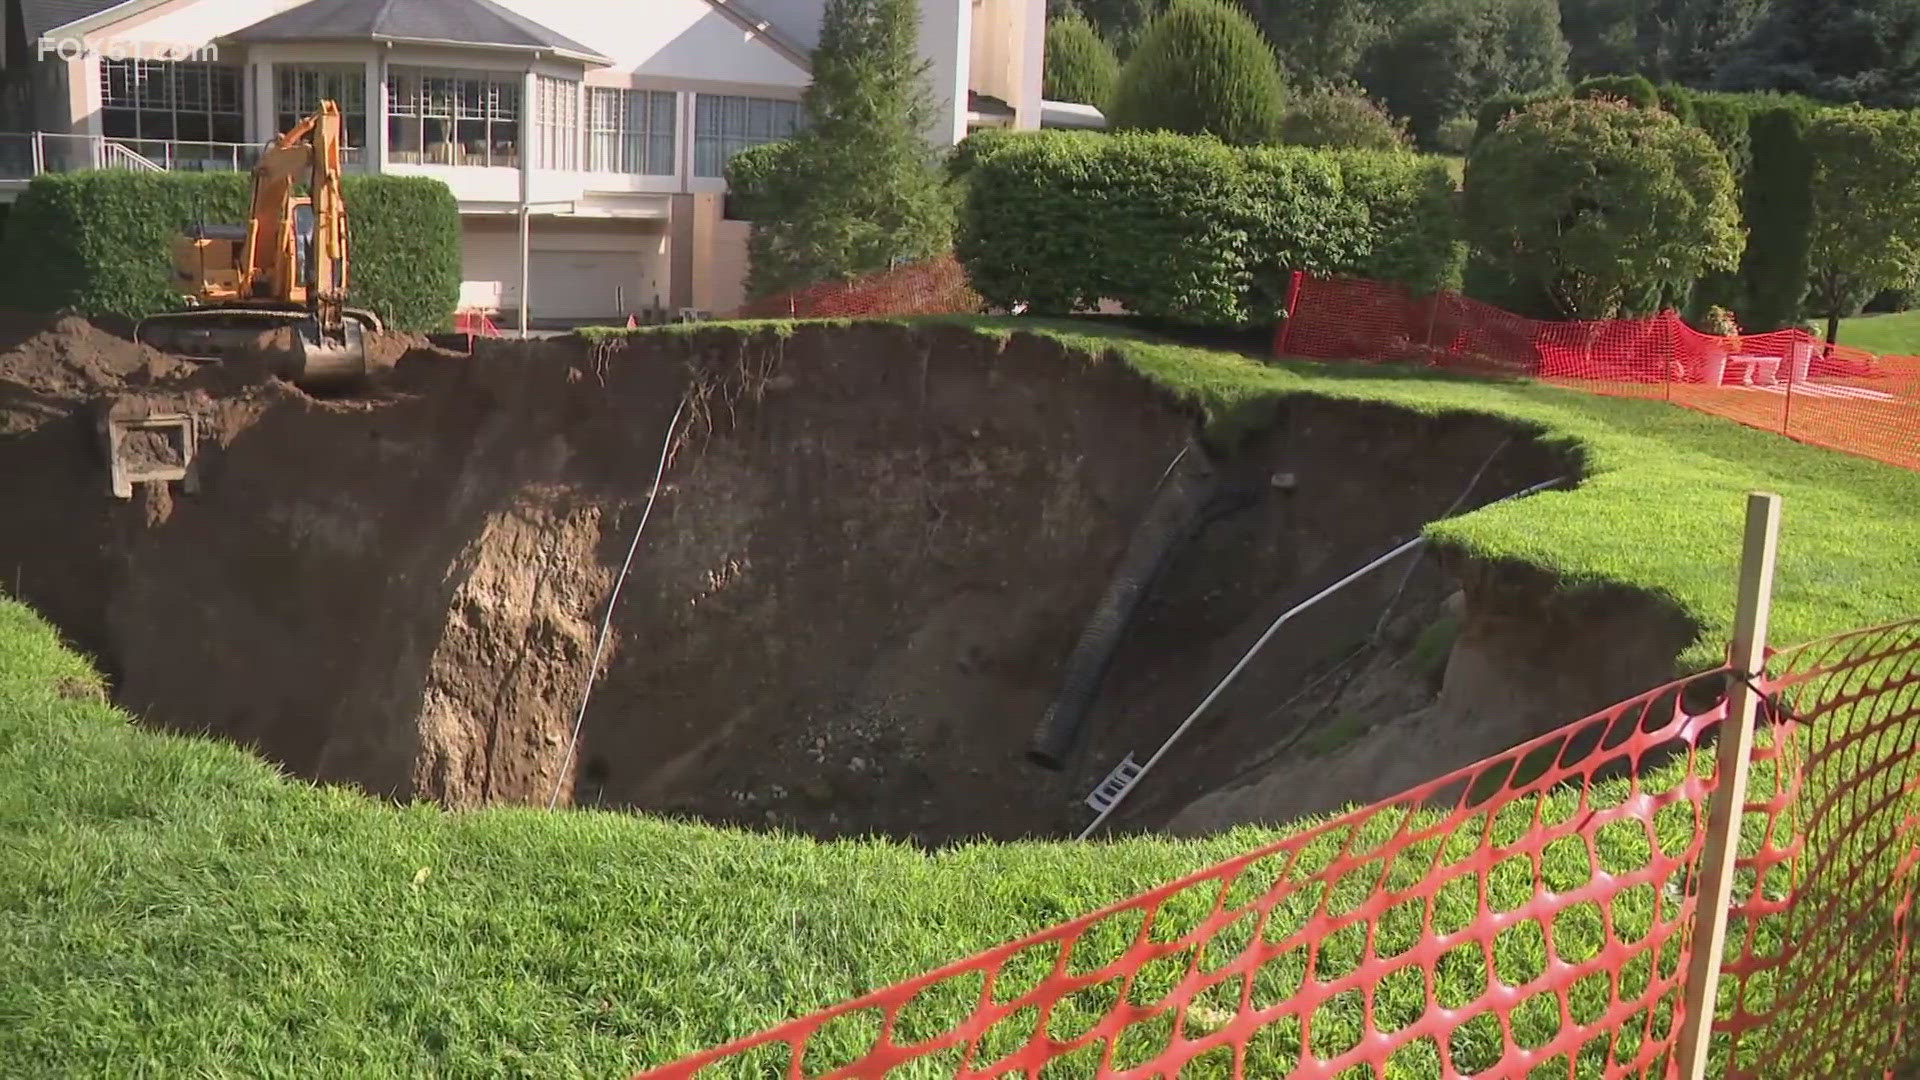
<point>156,87</point>
<point>483,105</point>
<point>725,124</point>
<point>557,137</point>
<point>298,90</point>
<point>633,132</point>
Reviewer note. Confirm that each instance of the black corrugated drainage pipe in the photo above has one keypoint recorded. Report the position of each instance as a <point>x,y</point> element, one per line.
<point>1191,493</point>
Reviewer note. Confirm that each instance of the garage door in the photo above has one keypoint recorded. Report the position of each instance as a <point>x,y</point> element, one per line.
<point>586,284</point>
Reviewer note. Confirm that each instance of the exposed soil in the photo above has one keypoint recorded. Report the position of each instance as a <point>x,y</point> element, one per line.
<point>871,555</point>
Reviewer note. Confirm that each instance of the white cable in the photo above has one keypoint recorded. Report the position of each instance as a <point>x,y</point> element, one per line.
<point>1406,579</point>
<point>606,621</point>
<point>1285,618</point>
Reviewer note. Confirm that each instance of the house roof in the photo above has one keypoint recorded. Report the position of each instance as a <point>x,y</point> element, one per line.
<point>790,27</point>
<point>452,22</point>
<point>41,16</point>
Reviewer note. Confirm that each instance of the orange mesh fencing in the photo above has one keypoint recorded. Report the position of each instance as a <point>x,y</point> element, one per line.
<point>1787,382</point>
<point>1821,980</point>
<point>1526,916</point>
<point>935,286</point>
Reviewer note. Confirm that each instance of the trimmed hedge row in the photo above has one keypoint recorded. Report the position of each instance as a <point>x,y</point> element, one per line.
<point>1190,229</point>
<point>100,243</point>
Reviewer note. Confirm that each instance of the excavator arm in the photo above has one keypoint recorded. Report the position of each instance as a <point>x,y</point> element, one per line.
<point>273,266</point>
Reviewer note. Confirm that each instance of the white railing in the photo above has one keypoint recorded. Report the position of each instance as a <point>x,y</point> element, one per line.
<point>25,155</point>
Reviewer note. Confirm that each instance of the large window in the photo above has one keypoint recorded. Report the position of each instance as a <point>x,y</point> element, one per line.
<point>556,124</point>
<point>631,131</point>
<point>724,126</point>
<point>186,101</point>
<point>466,118</point>
<point>298,90</point>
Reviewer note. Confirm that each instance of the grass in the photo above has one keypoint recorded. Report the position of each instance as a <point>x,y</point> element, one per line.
<point>1889,335</point>
<point>174,907</point>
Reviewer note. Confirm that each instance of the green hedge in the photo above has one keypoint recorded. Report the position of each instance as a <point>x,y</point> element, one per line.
<point>100,243</point>
<point>1191,230</point>
<point>1413,231</point>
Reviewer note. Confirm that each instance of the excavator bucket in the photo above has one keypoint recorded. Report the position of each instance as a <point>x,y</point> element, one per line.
<point>322,359</point>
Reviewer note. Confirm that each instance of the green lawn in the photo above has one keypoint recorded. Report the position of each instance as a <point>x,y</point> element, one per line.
<point>1897,334</point>
<point>173,907</point>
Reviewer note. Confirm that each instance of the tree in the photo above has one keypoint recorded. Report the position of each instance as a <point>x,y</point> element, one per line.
<point>1866,209</point>
<point>1865,51</point>
<point>1602,206</point>
<point>861,188</point>
<point>1080,67</point>
<point>1342,117</point>
<point>1603,36</point>
<point>1451,55</point>
<point>1202,68</point>
<point>1320,42</point>
<point>1778,202</point>
<point>1120,22</point>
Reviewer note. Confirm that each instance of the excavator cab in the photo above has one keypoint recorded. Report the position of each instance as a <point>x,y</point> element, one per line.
<point>275,287</point>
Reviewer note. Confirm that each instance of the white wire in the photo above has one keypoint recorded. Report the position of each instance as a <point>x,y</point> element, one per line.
<point>1285,618</point>
<point>606,621</point>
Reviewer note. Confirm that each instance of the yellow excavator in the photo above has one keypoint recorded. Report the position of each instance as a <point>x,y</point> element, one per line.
<point>276,285</point>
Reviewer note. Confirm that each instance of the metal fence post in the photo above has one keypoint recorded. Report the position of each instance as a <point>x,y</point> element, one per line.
<point>1734,755</point>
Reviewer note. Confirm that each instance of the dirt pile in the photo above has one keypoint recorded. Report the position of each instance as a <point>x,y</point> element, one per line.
<point>69,360</point>
<point>871,557</point>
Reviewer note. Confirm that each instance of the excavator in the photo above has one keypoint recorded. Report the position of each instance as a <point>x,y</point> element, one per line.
<point>277,285</point>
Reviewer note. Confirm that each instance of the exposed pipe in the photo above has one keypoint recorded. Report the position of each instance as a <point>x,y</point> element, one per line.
<point>1179,508</point>
<point>613,600</point>
<point>1285,618</point>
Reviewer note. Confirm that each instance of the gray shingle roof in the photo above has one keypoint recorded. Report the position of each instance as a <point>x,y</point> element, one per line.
<point>463,22</point>
<point>41,16</point>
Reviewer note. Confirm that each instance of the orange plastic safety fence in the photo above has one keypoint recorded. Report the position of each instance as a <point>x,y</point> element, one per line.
<point>1526,915</point>
<point>1822,980</point>
<point>934,287</point>
<point>1788,382</point>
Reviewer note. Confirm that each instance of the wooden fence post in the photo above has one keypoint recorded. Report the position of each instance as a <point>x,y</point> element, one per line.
<point>1735,751</point>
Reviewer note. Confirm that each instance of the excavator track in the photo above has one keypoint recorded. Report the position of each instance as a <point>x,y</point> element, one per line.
<point>307,357</point>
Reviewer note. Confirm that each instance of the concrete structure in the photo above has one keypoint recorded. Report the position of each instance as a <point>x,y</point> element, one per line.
<point>585,140</point>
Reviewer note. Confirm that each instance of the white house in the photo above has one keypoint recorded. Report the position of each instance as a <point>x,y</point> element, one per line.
<point>586,140</point>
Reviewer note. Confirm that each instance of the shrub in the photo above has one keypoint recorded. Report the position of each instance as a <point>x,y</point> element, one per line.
<point>1866,208</point>
<point>1727,120</point>
<point>1777,203</point>
<point>1080,66</point>
<point>755,178</point>
<point>1635,90</point>
<point>1202,68</point>
<point>1062,220</point>
<point>1605,206</point>
<point>1678,101</point>
<point>1342,117</point>
<point>404,237</point>
<point>860,189</point>
<point>1191,230</point>
<point>1496,108</point>
<point>1300,215</point>
<point>100,243</point>
<point>1413,226</point>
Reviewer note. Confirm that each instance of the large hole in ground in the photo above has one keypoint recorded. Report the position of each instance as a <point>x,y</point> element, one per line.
<point>872,556</point>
